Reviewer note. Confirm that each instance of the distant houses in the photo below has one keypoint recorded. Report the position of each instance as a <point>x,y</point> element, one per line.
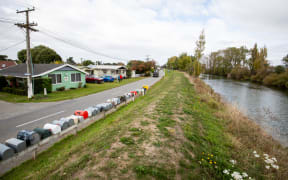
<point>103,70</point>
<point>5,64</point>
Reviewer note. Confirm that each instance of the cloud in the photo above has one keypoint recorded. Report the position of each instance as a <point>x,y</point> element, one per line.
<point>131,29</point>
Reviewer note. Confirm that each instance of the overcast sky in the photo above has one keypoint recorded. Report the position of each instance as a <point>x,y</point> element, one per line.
<point>132,29</point>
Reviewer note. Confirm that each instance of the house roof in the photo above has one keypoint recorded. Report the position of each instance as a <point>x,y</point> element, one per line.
<point>113,67</point>
<point>6,64</point>
<point>38,70</point>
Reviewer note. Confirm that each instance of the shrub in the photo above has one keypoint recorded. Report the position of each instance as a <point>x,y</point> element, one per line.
<point>128,73</point>
<point>3,82</point>
<point>147,74</point>
<point>41,83</point>
<point>85,86</point>
<point>21,92</point>
<point>279,80</point>
<point>240,73</point>
<point>60,89</point>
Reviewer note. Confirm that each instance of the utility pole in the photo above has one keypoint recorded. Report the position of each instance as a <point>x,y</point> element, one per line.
<point>147,57</point>
<point>28,27</point>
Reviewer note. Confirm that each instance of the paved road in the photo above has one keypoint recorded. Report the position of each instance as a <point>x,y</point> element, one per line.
<point>15,117</point>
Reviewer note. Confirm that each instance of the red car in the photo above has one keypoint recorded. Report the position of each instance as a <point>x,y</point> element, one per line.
<point>94,79</point>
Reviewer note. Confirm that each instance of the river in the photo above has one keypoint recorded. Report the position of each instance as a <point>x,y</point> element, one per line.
<point>266,106</point>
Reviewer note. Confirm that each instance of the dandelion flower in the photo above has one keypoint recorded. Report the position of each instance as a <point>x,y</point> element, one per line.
<point>267,167</point>
<point>269,161</point>
<point>203,153</point>
<point>275,166</point>
<point>214,162</point>
<point>208,158</point>
<point>236,175</point>
<point>210,162</point>
<point>256,155</point>
<point>232,161</point>
<point>226,171</point>
<point>202,159</point>
<point>244,174</point>
<point>211,155</point>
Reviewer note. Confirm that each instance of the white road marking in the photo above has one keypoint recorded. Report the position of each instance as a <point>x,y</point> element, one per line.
<point>40,119</point>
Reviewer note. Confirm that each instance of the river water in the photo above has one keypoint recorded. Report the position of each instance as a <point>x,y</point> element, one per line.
<point>266,106</point>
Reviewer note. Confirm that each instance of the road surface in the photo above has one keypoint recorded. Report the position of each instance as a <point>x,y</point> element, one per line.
<point>15,117</point>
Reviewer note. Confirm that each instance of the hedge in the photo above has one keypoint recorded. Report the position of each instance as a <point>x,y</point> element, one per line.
<point>41,83</point>
<point>15,91</point>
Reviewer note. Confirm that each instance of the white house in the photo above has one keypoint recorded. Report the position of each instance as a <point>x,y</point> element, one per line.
<point>111,70</point>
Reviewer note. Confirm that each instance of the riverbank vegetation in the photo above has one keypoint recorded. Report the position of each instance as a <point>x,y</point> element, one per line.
<point>179,130</point>
<point>236,63</point>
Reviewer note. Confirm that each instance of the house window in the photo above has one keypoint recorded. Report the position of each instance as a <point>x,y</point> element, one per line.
<point>76,77</point>
<point>56,78</point>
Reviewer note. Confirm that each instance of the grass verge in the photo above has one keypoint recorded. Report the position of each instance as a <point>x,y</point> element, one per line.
<point>69,94</point>
<point>179,130</point>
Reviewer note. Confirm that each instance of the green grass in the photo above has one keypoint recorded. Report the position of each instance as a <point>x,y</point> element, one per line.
<point>187,142</point>
<point>69,94</point>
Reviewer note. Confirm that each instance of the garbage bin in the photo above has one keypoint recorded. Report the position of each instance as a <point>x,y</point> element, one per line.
<point>6,152</point>
<point>43,133</point>
<point>30,137</point>
<point>70,121</point>
<point>16,144</point>
<point>63,124</point>
<point>81,113</point>
<point>55,129</point>
<point>76,119</point>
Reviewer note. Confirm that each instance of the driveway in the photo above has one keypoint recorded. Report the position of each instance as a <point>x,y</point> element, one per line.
<point>15,117</point>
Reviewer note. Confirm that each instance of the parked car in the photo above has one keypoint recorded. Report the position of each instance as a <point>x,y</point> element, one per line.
<point>108,79</point>
<point>94,79</point>
<point>156,74</point>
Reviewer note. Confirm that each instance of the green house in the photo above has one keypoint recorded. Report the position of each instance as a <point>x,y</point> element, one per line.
<point>62,75</point>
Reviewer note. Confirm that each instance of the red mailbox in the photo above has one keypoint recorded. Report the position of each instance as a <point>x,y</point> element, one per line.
<point>81,113</point>
<point>134,92</point>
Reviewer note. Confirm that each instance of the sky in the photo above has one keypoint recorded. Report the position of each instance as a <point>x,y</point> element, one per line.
<point>135,29</point>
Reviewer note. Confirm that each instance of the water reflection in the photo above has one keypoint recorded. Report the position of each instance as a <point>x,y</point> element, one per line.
<point>266,106</point>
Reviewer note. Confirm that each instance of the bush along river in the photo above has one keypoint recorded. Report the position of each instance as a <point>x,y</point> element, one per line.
<point>266,106</point>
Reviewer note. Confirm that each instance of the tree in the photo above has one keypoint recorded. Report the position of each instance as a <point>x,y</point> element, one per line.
<point>70,61</point>
<point>40,55</point>
<point>285,60</point>
<point>279,69</point>
<point>87,63</point>
<point>3,57</point>
<point>200,46</point>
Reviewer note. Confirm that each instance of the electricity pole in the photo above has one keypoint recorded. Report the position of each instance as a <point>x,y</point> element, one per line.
<point>28,27</point>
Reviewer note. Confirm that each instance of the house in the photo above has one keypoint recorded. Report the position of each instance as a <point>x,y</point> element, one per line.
<point>62,75</point>
<point>6,64</point>
<point>111,70</point>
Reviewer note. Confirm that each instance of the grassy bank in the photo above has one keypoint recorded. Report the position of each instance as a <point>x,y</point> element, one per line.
<point>179,130</point>
<point>69,94</point>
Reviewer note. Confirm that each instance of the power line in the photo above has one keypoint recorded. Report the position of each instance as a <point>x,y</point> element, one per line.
<point>16,44</point>
<point>55,36</point>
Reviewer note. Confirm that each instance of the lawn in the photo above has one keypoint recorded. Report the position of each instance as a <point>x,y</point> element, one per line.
<point>176,131</point>
<point>69,94</point>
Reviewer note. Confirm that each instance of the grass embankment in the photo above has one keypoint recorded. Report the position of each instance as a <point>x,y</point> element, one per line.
<point>177,131</point>
<point>69,94</point>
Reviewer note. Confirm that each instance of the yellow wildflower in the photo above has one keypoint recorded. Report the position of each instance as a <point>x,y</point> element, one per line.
<point>214,162</point>
<point>202,159</point>
<point>208,158</point>
<point>210,162</point>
